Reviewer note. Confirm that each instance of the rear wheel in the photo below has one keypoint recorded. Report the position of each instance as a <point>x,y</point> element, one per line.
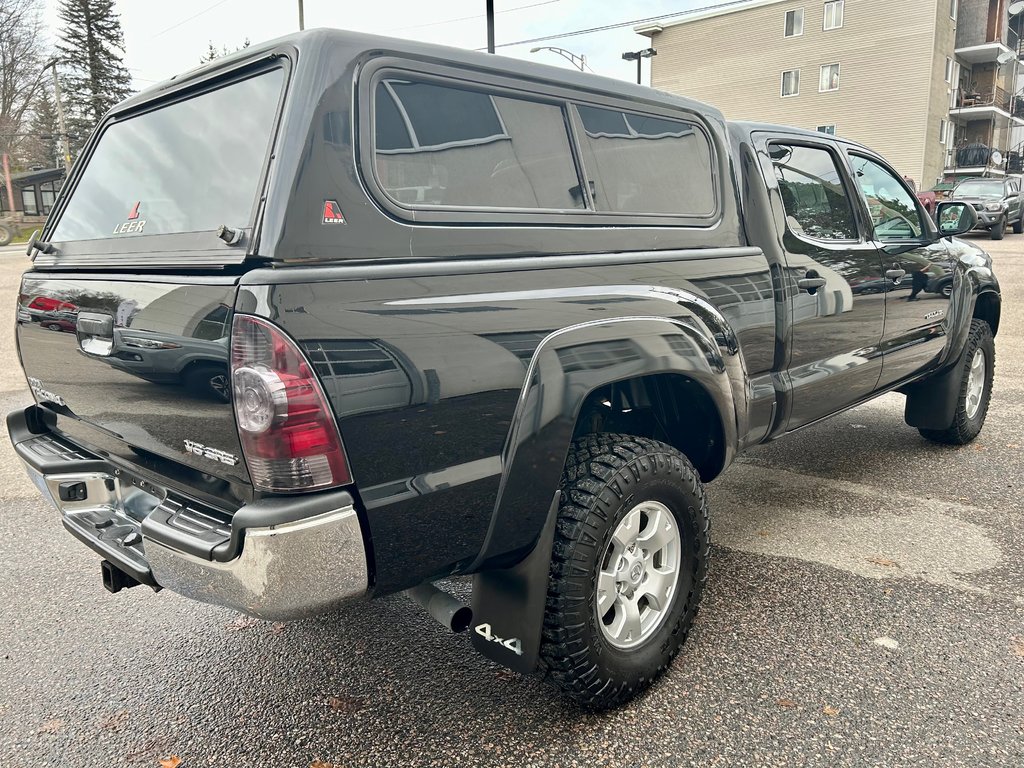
<point>1018,225</point>
<point>976,374</point>
<point>627,570</point>
<point>208,381</point>
<point>998,230</point>
<point>6,235</point>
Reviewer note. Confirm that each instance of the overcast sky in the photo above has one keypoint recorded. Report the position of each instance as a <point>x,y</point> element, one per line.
<point>163,39</point>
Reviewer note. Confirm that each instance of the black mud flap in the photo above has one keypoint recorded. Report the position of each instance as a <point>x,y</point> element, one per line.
<point>931,404</point>
<point>508,605</point>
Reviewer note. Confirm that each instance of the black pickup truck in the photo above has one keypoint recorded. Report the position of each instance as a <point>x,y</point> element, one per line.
<point>342,316</point>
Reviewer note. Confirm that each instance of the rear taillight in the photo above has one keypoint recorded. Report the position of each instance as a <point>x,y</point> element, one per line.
<point>288,433</point>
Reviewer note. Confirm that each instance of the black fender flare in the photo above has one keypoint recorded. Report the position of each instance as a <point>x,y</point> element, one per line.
<point>509,589</point>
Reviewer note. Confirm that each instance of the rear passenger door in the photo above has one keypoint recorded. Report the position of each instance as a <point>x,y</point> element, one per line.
<point>832,279</point>
<point>918,270</point>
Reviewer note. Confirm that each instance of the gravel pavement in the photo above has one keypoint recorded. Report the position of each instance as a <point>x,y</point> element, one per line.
<point>865,608</point>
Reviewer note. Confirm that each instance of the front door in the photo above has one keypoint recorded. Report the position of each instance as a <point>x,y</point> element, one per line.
<point>833,282</point>
<point>918,271</point>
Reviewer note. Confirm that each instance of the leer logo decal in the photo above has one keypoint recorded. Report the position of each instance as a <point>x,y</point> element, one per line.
<point>134,223</point>
<point>332,212</point>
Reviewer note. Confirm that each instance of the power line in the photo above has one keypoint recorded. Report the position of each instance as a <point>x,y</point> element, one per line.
<point>185,21</point>
<point>618,25</point>
<point>470,18</point>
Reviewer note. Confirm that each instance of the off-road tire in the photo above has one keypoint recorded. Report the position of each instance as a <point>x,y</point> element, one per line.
<point>965,428</point>
<point>605,476</point>
<point>6,235</point>
<point>998,230</point>
<point>1018,225</point>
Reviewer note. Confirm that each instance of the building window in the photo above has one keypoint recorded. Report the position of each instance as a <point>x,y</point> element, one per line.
<point>829,129</point>
<point>952,9</point>
<point>943,131</point>
<point>28,201</point>
<point>795,23</point>
<point>949,70</point>
<point>833,14</point>
<point>828,79</point>
<point>791,82</point>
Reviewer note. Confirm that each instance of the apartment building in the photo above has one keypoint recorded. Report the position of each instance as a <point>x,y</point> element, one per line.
<point>927,83</point>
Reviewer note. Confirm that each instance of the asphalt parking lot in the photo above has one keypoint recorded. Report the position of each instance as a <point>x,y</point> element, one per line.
<point>865,608</point>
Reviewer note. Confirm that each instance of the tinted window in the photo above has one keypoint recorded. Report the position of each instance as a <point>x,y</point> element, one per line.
<point>443,146</point>
<point>893,209</point>
<point>815,200</point>
<point>190,166</point>
<point>644,164</point>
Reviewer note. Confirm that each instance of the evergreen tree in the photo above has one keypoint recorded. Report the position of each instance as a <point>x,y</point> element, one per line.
<point>212,52</point>
<point>43,146</point>
<point>93,75</point>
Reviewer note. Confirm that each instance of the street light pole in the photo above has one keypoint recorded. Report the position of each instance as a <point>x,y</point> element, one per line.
<point>578,60</point>
<point>638,57</point>
<point>490,26</point>
<point>66,151</point>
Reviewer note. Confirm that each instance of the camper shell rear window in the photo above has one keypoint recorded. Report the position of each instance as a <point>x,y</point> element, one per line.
<point>450,149</point>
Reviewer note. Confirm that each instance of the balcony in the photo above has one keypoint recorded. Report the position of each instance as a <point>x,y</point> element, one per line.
<point>979,159</point>
<point>979,103</point>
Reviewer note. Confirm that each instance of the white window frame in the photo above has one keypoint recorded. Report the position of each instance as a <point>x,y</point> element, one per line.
<point>785,17</point>
<point>782,84</point>
<point>842,14</point>
<point>943,130</point>
<point>826,133</point>
<point>953,8</point>
<point>949,70</point>
<point>839,76</point>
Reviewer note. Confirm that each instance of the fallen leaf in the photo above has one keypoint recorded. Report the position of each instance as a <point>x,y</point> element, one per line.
<point>241,621</point>
<point>762,533</point>
<point>505,674</point>
<point>346,705</point>
<point>170,762</point>
<point>830,711</point>
<point>277,627</point>
<point>885,562</point>
<point>1017,646</point>
<point>51,726</point>
<point>114,722</point>
<point>321,764</point>
<point>887,591</point>
<point>786,703</point>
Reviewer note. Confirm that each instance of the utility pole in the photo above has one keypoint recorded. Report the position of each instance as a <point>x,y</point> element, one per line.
<point>60,116</point>
<point>302,17</point>
<point>490,26</point>
<point>7,182</point>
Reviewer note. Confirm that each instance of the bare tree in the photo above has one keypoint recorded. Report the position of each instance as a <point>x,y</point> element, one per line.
<point>21,77</point>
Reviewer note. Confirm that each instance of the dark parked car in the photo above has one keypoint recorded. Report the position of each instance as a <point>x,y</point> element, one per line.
<point>487,318</point>
<point>997,201</point>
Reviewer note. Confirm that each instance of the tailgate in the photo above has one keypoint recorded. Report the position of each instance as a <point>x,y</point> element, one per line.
<point>136,364</point>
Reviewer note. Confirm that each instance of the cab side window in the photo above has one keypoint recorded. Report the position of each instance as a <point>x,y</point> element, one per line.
<point>816,202</point>
<point>893,209</point>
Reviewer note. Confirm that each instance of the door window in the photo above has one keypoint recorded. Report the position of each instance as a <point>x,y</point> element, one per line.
<point>893,209</point>
<point>816,202</point>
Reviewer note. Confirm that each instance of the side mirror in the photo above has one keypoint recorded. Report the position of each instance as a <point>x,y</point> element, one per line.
<point>955,218</point>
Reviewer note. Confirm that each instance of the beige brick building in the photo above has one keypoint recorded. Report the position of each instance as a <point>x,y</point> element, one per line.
<point>919,81</point>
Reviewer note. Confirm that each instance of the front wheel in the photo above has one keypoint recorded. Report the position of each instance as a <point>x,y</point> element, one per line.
<point>976,373</point>
<point>998,230</point>
<point>627,570</point>
<point>6,235</point>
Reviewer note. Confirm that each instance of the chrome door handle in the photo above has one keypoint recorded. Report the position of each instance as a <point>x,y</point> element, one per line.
<point>895,274</point>
<point>810,283</point>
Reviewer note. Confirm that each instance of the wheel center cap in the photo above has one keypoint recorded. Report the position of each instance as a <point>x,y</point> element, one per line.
<point>636,572</point>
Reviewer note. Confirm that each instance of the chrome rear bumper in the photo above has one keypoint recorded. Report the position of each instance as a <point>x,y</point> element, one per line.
<point>281,558</point>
